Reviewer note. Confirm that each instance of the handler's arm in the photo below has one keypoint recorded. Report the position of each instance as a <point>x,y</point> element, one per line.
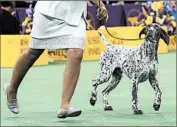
<point>102,13</point>
<point>99,3</point>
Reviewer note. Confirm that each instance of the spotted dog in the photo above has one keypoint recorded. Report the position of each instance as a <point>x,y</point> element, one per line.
<point>138,63</point>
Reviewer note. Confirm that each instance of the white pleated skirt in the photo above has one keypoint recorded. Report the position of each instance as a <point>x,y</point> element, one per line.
<point>51,33</point>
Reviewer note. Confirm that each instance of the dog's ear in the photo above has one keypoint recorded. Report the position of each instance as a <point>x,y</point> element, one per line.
<point>164,36</point>
<point>143,31</point>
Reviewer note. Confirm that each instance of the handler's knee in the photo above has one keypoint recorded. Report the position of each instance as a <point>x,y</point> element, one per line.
<point>76,54</point>
<point>33,54</point>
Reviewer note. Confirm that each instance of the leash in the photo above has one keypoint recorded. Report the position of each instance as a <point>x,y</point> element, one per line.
<point>99,6</point>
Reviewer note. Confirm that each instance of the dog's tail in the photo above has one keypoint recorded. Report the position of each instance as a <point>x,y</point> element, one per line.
<point>106,43</point>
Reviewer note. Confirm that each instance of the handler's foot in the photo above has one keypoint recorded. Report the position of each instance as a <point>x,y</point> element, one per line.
<point>12,103</point>
<point>70,112</point>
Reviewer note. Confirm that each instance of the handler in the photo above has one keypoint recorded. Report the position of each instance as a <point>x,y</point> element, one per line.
<point>56,25</point>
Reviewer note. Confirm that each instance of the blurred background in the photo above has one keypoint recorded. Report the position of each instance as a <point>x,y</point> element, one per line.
<point>121,13</point>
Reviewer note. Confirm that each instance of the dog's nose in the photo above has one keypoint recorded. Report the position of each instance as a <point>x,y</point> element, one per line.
<point>150,31</point>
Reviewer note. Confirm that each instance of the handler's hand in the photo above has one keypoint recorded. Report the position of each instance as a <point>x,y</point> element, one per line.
<point>102,14</point>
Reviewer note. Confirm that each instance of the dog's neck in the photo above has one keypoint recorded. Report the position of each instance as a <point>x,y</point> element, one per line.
<point>149,50</point>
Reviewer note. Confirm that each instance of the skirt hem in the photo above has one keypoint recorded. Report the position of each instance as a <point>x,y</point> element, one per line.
<point>64,42</point>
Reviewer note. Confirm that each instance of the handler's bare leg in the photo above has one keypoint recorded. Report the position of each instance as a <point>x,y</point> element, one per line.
<point>71,75</point>
<point>23,64</point>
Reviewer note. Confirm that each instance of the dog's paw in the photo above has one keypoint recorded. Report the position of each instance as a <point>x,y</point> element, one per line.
<point>138,112</point>
<point>92,101</point>
<point>108,108</point>
<point>156,107</point>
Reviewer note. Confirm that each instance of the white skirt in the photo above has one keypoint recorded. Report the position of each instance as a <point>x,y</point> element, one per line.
<point>52,33</point>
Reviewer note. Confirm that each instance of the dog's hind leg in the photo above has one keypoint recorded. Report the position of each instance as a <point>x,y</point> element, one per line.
<point>155,85</point>
<point>103,77</point>
<point>116,77</point>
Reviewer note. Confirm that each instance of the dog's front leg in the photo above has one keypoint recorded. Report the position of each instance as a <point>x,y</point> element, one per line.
<point>135,99</point>
<point>155,85</point>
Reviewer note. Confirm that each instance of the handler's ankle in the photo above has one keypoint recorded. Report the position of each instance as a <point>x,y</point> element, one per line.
<point>12,93</point>
<point>65,105</point>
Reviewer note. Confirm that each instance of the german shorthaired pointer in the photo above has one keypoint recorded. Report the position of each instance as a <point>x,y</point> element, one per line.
<point>138,63</point>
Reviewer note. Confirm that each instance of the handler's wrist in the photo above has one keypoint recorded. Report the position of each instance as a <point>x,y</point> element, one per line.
<point>101,4</point>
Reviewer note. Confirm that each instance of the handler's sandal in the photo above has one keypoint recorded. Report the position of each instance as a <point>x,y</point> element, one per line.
<point>70,112</point>
<point>13,103</point>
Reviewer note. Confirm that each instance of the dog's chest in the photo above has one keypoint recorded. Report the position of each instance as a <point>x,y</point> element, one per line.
<point>139,69</point>
<point>148,70</point>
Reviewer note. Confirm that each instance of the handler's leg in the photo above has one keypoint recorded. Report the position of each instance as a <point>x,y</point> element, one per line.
<point>23,64</point>
<point>71,75</point>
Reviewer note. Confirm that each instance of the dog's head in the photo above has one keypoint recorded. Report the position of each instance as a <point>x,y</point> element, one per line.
<point>154,32</point>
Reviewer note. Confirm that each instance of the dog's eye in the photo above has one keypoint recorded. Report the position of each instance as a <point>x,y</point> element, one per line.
<point>147,27</point>
<point>156,27</point>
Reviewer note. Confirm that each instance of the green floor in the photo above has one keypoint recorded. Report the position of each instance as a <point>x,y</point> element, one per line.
<point>40,94</point>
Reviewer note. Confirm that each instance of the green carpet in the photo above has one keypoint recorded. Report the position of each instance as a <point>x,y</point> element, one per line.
<point>40,96</point>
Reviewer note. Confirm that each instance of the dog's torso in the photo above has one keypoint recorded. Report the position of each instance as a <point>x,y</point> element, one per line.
<point>133,61</point>
<point>138,63</point>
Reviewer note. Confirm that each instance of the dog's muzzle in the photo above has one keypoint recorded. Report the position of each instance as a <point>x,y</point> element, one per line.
<point>151,36</point>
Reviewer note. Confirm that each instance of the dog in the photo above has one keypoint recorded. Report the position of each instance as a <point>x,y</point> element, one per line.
<point>138,63</point>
